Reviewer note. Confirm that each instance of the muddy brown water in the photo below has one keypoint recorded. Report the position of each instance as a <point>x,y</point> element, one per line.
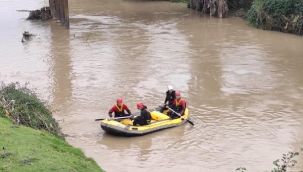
<point>244,86</point>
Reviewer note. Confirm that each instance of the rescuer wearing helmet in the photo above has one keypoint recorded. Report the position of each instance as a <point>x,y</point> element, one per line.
<point>144,117</point>
<point>119,109</point>
<point>170,96</point>
<point>169,99</point>
<point>179,106</point>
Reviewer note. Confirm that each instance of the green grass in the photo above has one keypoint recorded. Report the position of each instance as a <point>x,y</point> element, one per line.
<point>23,149</point>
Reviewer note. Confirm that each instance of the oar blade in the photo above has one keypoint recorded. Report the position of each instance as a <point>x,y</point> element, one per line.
<point>100,119</point>
<point>189,121</point>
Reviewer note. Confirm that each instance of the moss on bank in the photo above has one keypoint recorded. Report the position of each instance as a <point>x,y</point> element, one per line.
<point>278,15</point>
<point>25,149</point>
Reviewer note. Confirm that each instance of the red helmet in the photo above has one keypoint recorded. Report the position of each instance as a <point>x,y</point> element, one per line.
<point>140,105</point>
<point>119,101</point>
<point>178,94</point>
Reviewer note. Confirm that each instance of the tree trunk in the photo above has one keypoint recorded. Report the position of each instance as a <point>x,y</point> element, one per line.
<point>212,7</point>
<point>222,8</point>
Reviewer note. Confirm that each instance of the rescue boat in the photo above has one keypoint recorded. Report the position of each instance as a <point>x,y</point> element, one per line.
<point>125,127</point>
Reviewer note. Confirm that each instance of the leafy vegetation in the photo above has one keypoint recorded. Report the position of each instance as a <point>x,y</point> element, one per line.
<point>287,161</point>
<point>22,106</point>
<point>280,165</point>
<point>23,149</point>
<point>279,15</point>
<point>238,4</point>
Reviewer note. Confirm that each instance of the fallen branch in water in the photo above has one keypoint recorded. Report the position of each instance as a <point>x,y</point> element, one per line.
<point>42,14</point>
<point>24,10</point>
<point>26,36</point>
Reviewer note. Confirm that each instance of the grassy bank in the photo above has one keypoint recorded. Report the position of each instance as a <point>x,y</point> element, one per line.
<point>25,149</point>
<point>278,15</point>
<point>30,138</point>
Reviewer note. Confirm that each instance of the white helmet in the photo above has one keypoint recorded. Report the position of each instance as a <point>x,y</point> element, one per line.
<point>170,87</point>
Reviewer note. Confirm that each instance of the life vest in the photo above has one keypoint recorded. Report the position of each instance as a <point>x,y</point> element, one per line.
<point>120,109</point>
<point>178,104</point>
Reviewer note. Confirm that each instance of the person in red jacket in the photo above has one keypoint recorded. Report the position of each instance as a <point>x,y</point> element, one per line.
<point>119,109</point>
<point>179,106</point>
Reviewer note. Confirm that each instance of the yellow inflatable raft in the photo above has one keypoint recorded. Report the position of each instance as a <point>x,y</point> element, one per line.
<point>159,122</point>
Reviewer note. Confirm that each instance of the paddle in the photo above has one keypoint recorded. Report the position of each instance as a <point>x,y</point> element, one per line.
<point>189,121</point>
<point>124,117</point>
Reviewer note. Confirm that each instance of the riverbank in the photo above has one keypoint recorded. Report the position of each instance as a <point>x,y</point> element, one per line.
<point>27,149</point>
<point>22,106</point>
<point>277,15</point>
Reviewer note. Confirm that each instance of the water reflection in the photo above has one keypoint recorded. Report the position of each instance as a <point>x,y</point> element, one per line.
<point>147,150</point>
<point>61,64</point>
<point>141,145</point>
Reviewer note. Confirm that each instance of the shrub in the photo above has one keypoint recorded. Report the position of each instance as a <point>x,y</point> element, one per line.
<point>280,15</point>
<point>23,107</point>
<point>287,161</point>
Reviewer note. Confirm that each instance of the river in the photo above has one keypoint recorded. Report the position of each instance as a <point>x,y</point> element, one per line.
<point>244,86</point>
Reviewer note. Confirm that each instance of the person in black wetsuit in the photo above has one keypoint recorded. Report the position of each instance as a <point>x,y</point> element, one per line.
<point>170,96</point>
<point>144,117</point>
<point>169,99</point>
